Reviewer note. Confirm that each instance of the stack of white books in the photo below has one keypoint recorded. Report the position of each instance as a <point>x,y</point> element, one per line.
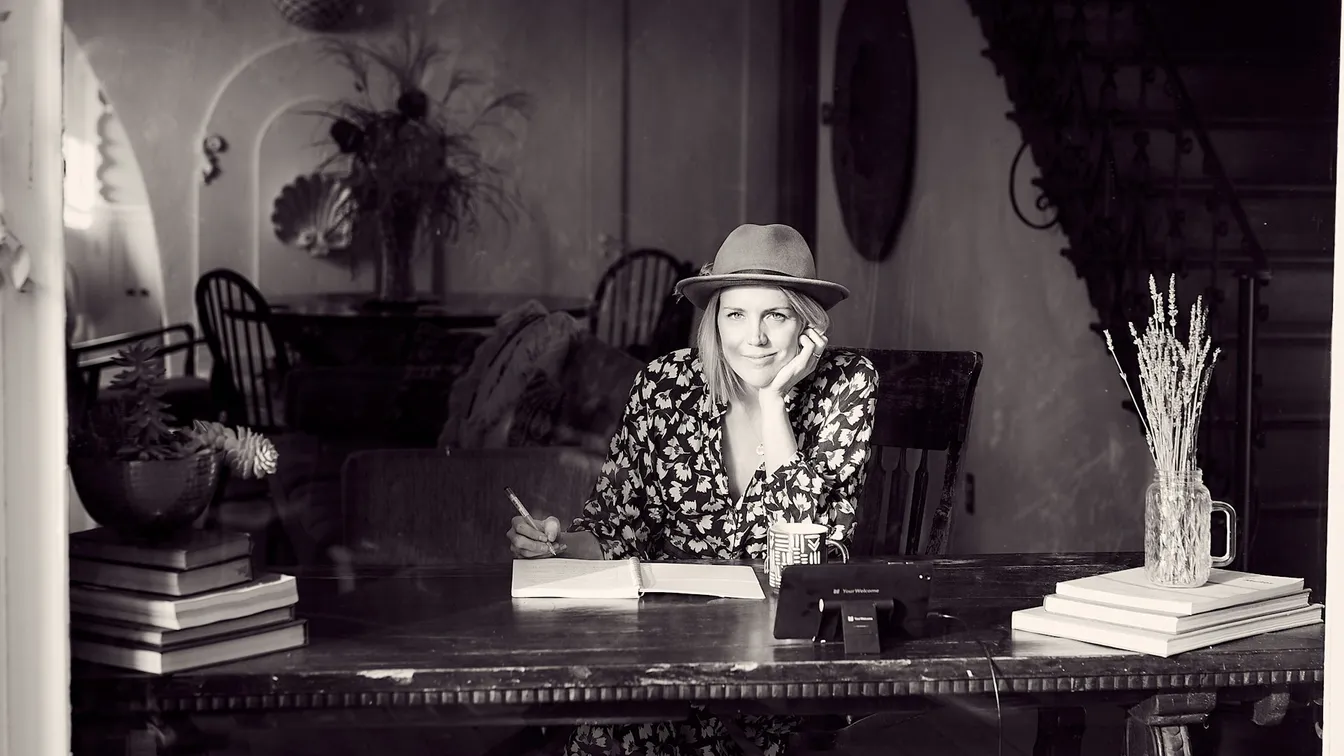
<point>1123,610</point>
<point>176,606</point>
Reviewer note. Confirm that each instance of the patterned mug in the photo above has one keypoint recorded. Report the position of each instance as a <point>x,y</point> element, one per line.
<point>789,543</point>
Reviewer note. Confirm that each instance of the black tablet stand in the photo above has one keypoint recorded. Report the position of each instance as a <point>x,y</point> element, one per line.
<point>860,605</point>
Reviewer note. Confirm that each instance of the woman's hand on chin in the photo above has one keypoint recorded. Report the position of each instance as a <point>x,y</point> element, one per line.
<point>811,344</point>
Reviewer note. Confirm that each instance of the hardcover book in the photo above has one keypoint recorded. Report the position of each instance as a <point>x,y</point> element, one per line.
<point>162,660</point>
<point>188,550</point>
<point>1163,622</point>
<point>1038,620</point>
<point>630,578</point>
<point>181,612</point>
<point>148,635</point>
<point>1130,589</point>
<point>167,582</point>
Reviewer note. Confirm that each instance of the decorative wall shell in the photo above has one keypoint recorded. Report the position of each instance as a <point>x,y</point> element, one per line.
<point>315,213</point>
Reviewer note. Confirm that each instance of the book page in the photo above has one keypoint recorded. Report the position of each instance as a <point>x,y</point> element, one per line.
<point>560,577</point>
<point>723,580</point>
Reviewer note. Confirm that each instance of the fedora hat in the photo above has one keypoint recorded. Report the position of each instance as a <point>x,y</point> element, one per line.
<point>773,255</point>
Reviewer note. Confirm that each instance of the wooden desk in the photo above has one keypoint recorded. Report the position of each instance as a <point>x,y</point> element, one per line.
<point>448,645</point>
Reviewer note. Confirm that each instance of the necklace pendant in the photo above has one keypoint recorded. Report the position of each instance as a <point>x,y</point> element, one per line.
<point>760,450</point>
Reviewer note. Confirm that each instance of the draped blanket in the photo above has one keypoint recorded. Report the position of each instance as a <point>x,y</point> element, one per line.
<point>539,379</point>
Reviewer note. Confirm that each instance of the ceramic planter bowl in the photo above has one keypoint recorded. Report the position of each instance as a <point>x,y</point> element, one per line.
<point>150,499</point>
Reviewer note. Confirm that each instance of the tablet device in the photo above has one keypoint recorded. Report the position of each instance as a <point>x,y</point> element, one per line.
<point>864,605</point>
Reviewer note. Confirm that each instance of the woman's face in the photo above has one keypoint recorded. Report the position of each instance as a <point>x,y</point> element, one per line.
<point>759,332</point>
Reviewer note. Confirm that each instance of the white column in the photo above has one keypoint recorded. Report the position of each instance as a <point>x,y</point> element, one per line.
<point>34,667</point>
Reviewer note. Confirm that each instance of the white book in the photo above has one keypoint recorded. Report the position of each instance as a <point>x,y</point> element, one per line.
<point>204,653</point>
<point>1130,589</point>
<point>1038,620</point>
<point>630,578</point>
<point>266,592</point>
<point>148,635</point>
<point>1164,622</point>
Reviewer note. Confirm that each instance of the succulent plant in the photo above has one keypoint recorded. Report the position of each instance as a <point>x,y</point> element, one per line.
<point>132,423</point>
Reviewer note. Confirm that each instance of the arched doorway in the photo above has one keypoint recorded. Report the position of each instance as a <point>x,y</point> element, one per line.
<point>112,251</point>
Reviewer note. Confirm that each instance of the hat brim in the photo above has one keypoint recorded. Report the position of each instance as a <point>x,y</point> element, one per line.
<point>699,289</point>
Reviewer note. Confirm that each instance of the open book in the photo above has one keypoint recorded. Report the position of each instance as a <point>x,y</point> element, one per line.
<point>630,578</point>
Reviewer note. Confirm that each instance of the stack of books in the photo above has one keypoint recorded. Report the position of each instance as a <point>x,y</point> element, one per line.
<point>176,606</point>
<point>1123,610</point>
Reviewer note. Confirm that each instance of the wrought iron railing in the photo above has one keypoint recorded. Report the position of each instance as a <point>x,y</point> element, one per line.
<point>1097,95</point>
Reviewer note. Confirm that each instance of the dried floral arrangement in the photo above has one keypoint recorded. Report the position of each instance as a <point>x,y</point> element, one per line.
<point>414,164</point>
<point>1173,379</point>
<point>133,423</point>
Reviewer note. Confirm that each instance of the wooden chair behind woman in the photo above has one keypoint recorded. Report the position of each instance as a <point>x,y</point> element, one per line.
<point>923,406</point>
<point>924,403</point>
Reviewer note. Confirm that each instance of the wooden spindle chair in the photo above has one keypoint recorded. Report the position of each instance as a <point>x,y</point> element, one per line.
<point>249,362</point>
<point>631,297</point>
<point>923,405</point>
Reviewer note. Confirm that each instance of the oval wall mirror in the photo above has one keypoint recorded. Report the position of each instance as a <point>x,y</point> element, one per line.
<point>873,122</point>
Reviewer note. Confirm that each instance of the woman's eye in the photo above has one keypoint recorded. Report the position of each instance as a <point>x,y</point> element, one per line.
<point>779,316</point>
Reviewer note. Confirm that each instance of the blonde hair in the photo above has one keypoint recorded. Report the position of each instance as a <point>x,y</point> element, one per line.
<point>722,383</point>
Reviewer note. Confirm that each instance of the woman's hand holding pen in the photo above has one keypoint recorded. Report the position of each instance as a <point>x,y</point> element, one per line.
<point>527,542</point>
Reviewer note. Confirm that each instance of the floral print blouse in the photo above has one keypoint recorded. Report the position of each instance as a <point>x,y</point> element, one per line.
<point>663,491</point>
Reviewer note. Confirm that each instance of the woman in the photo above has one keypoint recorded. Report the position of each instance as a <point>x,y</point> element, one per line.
<point>758,424</point>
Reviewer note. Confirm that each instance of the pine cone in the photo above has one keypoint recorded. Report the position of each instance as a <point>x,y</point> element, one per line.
<point>253,456</point>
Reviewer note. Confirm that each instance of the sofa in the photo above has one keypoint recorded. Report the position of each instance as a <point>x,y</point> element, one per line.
<point>537,379</point>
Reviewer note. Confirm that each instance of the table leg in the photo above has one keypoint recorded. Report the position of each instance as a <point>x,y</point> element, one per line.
<point>1271,709</point>
<point>142,742</point>
<point>1160,725</point>
<point>153,735</point>
<point>1059,731</point>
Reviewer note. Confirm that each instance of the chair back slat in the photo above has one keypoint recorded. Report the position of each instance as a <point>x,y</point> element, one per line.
<point>919,491</point>
<point>249,362</point>
<point>630,297</point>
<point>886,476</point>
<point>924,401</point>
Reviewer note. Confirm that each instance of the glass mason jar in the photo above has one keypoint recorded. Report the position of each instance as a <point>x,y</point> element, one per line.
<point>1176,525</point>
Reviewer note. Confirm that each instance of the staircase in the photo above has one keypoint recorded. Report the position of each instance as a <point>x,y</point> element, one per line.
<point>1195,138</point>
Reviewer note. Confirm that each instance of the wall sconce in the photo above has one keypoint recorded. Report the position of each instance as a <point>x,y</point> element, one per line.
<point>213,146</point>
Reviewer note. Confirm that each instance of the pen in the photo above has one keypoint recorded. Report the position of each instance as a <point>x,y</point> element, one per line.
<point>522,510</point>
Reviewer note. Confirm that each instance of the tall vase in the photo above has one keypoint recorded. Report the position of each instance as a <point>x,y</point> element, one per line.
<point>1176,524</point>
<point>399,225</point>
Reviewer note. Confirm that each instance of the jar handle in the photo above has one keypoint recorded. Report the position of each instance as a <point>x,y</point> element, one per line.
<point>1230,541</point>
<point>835,547</point>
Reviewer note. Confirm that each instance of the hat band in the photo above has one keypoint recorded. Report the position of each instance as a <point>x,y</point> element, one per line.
<point>761,272</point>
